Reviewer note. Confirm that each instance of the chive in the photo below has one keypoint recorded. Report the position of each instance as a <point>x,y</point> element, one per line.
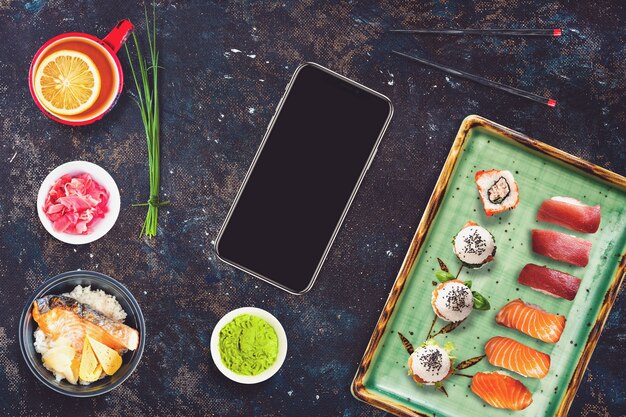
<point>147,100</point>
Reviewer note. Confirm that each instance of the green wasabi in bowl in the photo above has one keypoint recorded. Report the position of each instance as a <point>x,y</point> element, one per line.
<point>248,345</point>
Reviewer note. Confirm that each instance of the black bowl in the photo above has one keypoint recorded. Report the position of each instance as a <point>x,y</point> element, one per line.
<point>63,283</point>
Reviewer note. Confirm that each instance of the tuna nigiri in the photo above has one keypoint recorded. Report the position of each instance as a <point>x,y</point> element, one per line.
<point>531,320</point>
<point>549,281</point>
<point>514,356</point>
<point>59,315</point>
<point>501,390</point>
<point>561,247</point>
<point>571,213</point>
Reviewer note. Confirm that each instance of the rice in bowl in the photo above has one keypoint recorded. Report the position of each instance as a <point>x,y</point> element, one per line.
<point>99,300</point>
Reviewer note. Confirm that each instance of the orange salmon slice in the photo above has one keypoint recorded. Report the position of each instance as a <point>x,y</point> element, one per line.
<point>501,391</point>
<point>517,357</point>
<point>531,320</point>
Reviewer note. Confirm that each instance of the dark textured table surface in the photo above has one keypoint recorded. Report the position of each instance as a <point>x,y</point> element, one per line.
<point>225,67</point>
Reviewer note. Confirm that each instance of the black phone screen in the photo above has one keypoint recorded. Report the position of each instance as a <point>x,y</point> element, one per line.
<point>303,179</point>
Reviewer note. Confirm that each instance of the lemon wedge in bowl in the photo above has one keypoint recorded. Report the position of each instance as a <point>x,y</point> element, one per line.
<point>67,82</point>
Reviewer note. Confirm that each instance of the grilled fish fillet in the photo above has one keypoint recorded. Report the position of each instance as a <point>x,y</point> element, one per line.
<point>59,315</point>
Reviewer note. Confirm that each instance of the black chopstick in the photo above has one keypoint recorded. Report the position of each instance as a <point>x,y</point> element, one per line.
<point>480,80</point>
<point>494,32</point>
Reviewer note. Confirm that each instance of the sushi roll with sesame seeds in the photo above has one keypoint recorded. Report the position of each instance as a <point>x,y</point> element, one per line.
<point>452,301</point>
<point>430,364</point>
<point>474,245</point>
<point>498,191</point>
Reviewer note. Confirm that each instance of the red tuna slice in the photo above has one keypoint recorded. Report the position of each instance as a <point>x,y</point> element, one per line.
<point>549,281</point>
<point>571,213</point>
<point>561,247</point>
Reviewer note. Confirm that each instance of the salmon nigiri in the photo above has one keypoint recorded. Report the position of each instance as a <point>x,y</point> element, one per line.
<point>571,213</point>
<point>531,320</point>
<point>514,356</point>
<point>561,247</point>
<point>501,390</point>
<point>59,315</point>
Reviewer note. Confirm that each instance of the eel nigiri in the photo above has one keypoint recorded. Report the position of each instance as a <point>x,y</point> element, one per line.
<point>498,190</point>
<point>500,390</point>
<point>549,281</point>
<point>514,356</point>
<point>561,247</point>
<point>571,213</point>
<point>531,320</point>
<point>59,315</point>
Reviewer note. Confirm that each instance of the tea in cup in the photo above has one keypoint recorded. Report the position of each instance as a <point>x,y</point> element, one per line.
<point>76,78</point>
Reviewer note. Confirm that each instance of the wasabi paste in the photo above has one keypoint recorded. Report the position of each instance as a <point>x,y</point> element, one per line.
<point>248,345</point>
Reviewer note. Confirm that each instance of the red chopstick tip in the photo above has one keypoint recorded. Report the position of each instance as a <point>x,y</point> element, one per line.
<point>556,32</point>
<point>551,103</point>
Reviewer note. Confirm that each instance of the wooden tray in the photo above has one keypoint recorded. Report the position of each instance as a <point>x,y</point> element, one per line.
<point>541,172</point>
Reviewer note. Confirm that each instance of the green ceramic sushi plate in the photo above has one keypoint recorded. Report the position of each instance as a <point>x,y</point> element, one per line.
<point>541,172</point>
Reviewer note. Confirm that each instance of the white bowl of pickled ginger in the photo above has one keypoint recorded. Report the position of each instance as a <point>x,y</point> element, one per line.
<point>78,202</point>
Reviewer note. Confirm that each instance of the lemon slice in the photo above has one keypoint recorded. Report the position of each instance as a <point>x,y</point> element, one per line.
<point>67,82</point>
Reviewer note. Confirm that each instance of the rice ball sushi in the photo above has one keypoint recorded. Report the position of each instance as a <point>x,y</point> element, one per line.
<point>430,364</point>
<point>474,245</point>
<point>452,301</point>
<point>498,190</point>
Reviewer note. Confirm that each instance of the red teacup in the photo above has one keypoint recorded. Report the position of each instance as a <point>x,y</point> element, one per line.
<point>103,54</point>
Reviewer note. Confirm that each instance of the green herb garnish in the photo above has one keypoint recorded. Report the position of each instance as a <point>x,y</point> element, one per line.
<point>480,302</point>
<point>444,276</point>
<point>147,100</point>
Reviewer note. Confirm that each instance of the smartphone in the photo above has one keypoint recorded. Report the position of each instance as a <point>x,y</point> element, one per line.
<point>303,178</point>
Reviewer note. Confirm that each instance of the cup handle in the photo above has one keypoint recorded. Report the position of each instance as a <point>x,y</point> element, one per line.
<point>116,38</point>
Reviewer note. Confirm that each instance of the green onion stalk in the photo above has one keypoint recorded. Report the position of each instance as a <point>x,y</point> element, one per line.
<point>147,99</point>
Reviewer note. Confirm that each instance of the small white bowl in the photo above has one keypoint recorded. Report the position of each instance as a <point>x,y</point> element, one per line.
<point>101,177</point>
<point>282,345</point>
